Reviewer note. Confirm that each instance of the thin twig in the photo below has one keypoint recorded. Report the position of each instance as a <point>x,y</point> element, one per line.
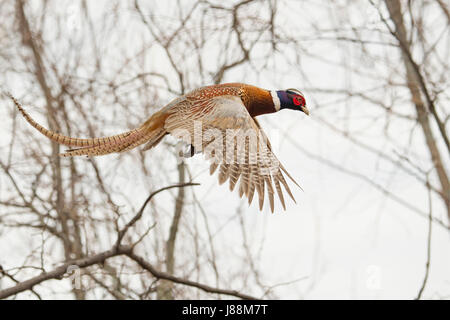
<point>141,211</point>
<point>427,265</point>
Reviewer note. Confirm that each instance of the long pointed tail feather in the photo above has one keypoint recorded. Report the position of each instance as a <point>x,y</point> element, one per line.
<point>151,131</point>
<point>130,142</point>
<point>103,149</point>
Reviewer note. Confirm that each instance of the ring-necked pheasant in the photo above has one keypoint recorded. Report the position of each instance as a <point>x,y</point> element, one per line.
<point>226,114</point>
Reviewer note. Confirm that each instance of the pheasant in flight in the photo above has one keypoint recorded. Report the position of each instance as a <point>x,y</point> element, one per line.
<point>217,120</point>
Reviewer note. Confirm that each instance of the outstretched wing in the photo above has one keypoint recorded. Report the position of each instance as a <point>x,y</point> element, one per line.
<point>235,144</point>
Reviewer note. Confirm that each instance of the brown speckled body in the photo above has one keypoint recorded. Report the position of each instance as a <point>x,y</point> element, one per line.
<point>257,101</point>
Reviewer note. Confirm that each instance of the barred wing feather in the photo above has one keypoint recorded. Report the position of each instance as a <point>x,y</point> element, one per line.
<point>235,145</point>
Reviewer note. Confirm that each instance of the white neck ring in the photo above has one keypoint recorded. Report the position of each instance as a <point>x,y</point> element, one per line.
<point>276,100</point>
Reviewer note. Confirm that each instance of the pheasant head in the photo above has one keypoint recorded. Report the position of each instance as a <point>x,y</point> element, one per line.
<point>290,99</point>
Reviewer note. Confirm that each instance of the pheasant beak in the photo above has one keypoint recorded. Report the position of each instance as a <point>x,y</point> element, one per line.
<point>305,110</point>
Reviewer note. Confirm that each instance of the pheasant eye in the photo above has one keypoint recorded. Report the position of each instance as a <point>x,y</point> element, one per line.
<point>297,100</point>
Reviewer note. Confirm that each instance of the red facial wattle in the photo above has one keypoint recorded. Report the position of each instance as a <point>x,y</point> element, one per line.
<point>298,100</point>
<point>292,99</point>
